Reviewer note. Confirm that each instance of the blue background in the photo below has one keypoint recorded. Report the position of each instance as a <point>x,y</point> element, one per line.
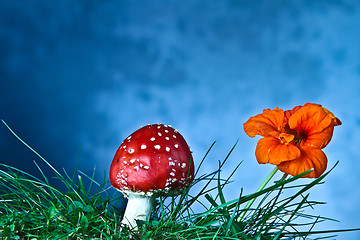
<point>77,77</point>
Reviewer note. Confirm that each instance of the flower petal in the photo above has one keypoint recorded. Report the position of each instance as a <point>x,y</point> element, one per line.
<point>321,139</point>
<point>271,150</point>
<point>336,121</point>
<point>311,117</point>
<point>286,137</point>
<point>314,125</point>
<point>266,124</point>
<point>309,158</point>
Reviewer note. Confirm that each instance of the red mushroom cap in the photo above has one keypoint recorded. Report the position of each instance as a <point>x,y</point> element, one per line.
<point>153,159</point>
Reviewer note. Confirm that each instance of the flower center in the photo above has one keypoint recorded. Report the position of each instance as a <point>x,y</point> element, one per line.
<point>301,137</point>
<point>292,136</point>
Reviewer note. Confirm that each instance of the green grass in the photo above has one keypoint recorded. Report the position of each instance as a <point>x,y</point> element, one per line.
<point>83,208</point>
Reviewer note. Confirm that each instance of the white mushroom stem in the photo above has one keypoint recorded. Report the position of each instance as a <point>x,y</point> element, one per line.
<point>139,207</point>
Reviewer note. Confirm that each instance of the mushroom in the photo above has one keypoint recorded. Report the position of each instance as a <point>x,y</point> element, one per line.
<point>153,161</point>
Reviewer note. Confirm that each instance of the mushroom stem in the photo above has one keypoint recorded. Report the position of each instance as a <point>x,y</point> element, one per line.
<point>138,207</point>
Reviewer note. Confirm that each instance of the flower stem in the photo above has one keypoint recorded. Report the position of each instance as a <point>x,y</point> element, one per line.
<point>262,186</point>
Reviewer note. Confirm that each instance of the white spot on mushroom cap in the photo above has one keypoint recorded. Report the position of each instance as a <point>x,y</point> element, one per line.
<point>176,145</point>
<point>157,147</point>
<point>167,149</point>
<point>159,133</point>
<point>172,174</point>
<point>183,165</point>
<point>143,146</point>
<point>152,139</point>
<point>131,150</point>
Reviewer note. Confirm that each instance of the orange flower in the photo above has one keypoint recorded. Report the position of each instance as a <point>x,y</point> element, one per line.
<point>293,139</point>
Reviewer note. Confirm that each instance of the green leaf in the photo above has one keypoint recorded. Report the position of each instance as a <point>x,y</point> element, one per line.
<point>88,209</point>
<point>76,206</point>
<point>84,222</point>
